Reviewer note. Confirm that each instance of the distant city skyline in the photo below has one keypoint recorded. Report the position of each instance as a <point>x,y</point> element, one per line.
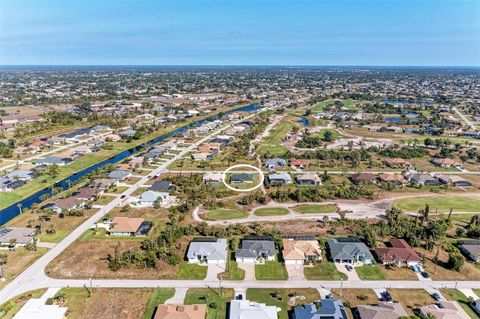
<point>264,32</point>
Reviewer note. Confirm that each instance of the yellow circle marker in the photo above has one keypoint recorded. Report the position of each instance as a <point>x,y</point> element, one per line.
<point>262,178</point>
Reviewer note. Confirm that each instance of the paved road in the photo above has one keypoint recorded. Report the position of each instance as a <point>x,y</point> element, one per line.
<point>465,119</point>
<point>198,171</point>
<point>34,275</point>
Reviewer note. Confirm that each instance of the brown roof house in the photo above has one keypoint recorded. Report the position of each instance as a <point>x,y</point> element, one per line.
<point>394,179</point>
<point>454,180</point>
<point>447,162</point>
<point>180,312</point>
<point>301,251</point>
<point>399,252</point>
<point>125,226</point>
<point>383,310</point>
<point>360,178</point>
<point>447,310</point>
<point>398,163</point>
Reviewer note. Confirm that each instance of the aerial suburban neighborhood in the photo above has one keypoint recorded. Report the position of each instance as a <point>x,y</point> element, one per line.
<point>240,159</point>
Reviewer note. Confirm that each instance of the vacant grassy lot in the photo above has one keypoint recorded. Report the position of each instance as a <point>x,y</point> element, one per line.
<point>355,297</point>
<point>280,297</point>
<point>224,214</point>
<point>323,271</point>
<point>233,271</point>
<point>271,270</point>
<point>192,271</point>
<point>275,211</point>
<point>458,296</point>
<point>271,144</point>
<point>105,302</point>
<point>347,104</point>
<point>442,203</point>
<point>316,209</point>
<point>11,307</point>
<point>18,261</point>
<point>371,272</point>
<point>411,298</point>
<point>210,297</point>
<point>158,297</point>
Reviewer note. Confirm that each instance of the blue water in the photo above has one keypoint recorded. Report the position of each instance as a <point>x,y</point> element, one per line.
<point>11,211</point>
<point>393,119</point>
<point>303,121</point>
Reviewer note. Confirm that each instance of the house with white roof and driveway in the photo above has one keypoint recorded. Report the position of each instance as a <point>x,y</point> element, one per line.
<point>207,250</point>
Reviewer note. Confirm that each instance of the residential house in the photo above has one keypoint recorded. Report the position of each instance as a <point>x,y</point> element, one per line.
<point>174,311</point>
<point>422,179</point>
<point>301,250</point>
<point>447,163</point>
<point>242,309</point>
<point>128,133</point>
<point>360,178</point>
<point>471,250</point>
<point>161,186</point>
<point>323,309</point>
<point>36,308</point>
<point>104,183</point>
<point>453,180</point>
<point>308,179</point>
<point>112,138</point>
<point>399,253</point>
<point>383,310</point>
<point>207,250</point>
<point>67,204</point>
<point>202,156</point>
<point>8,185</point>
<point>212,178</point>
<point>255,249</point>
<point>349,250</point>
<point>119,175</point>
<point>86,194</point>
<point>21,235</point>
<point>20,175</point>
<point>241,178</point>
<point>445,310</point>
<point>398,163</point>
<point>149,198</point>
<point>299,163</point>
<point>272,163</point>
<point>50,160</point>
<point>279,178</point>
<point>126,226</point>
<point>393,179</point>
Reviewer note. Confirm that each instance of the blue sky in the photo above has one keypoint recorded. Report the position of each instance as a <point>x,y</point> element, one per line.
<point>270,32</point>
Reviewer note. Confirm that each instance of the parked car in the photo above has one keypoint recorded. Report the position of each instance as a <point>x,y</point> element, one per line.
<point>349,268</point>
<point>436,296</point>
<point>123,196</point>
<point>387,296</point>
<point>415,268</point>
<point>425,274</point>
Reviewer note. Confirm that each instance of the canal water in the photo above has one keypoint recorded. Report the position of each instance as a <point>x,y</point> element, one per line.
<point>11,211</point>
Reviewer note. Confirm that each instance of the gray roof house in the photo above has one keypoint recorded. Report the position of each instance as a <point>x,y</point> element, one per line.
<point>454,180</point>
<point>149,197</point>
<point>210,250</point>
<point>309,179</point>
<point>161,186</point>
<point>119,174</point>
<point>21,235</point>
<point>422,179</point>
<point>271,163</point>
<point>383,310</point>
<point>324,309</point>
<point>253,250</point>
<point>240,178</point>
<point>128,132</point>
<point>20,174</point>
<point>349,250</point>
<point>471,250</point>
<point>49,160</point>
<point>279,178</point>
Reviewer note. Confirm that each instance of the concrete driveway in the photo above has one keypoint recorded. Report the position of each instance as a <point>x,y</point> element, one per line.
<point>295,272</point>
<point>249,270</point>
<point>351,275</point>
<point>214,270</point>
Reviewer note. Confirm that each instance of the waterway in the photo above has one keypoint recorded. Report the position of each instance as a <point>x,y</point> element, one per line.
<point>13,210</point>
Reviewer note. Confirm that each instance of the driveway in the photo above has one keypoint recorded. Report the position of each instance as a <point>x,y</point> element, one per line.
<point>352,275</point>
<point>249,270</point>
<point>178,297</point>
<point>214,270</point>
<point>295,272</point>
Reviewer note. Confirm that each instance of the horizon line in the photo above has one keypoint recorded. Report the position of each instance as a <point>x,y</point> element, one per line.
<point>242,65</point>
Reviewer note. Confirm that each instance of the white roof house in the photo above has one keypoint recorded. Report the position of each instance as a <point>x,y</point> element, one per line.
<point>149,197</point>
<point>241,309</point>
<point>37,309</point>
<point>211,250</point>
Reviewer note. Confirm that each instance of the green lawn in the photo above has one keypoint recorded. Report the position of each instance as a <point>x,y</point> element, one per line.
<point>8,198</point>
<point>117,189</point>
<point>192,271</point>
<point>233,272</point>
<point>458,296</point>
<point>323,271</point>
<point>224,214</point>
<point>271,211</point>
<point>215,300</point>
<point>335,134</point>
<point>442,203</point>
<point>316,209</point>
<point>279,297</point>
<point>53,238</point>
<point>320,106</point>
<point>159,296</point>
<point>371,272</point>
<point>271,144</point>
<point>271,270</point>
<point>104,200</point>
